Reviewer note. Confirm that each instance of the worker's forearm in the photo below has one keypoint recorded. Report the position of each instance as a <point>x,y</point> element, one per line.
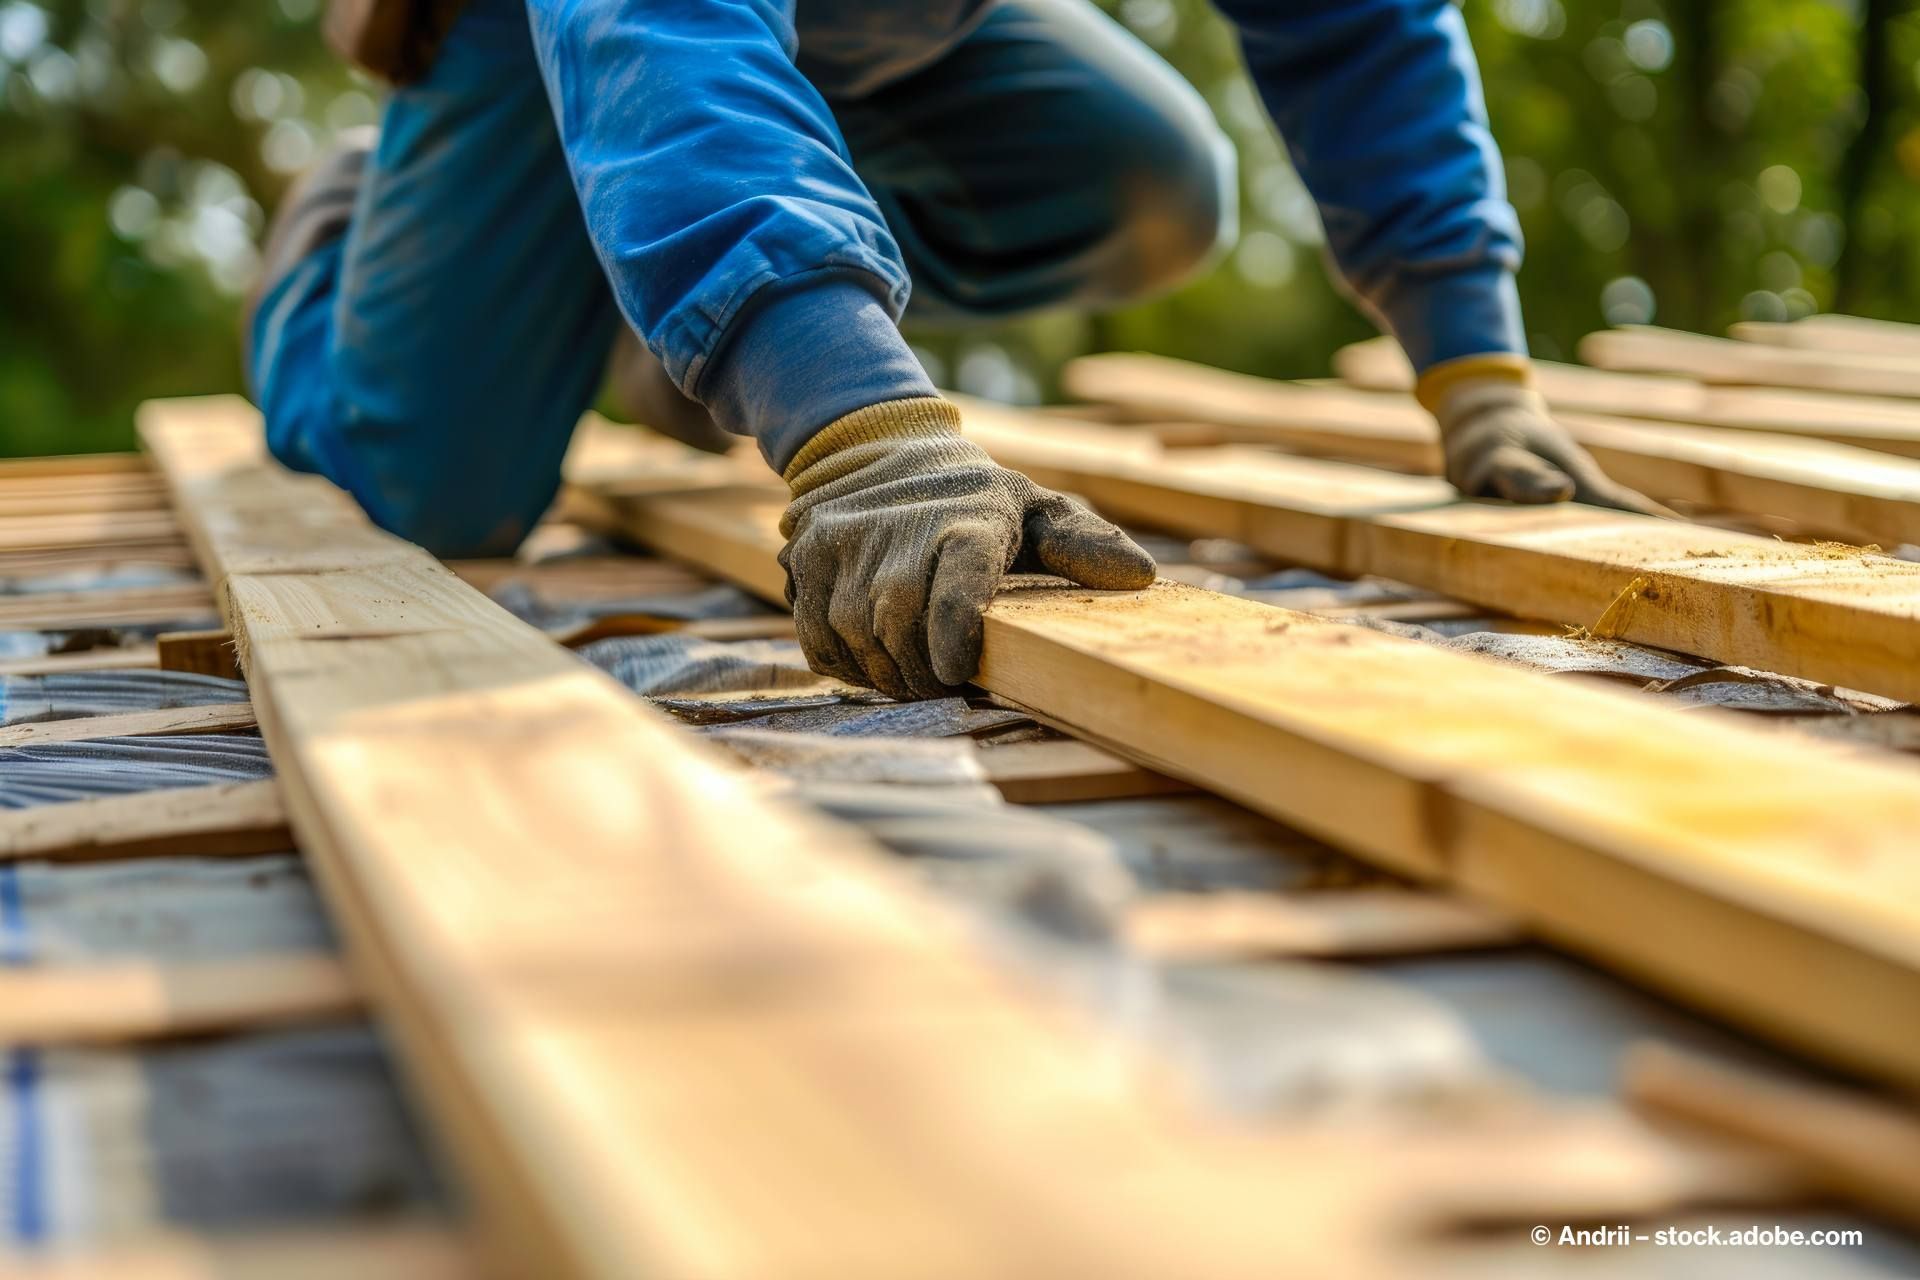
<point>1380,104</point>
<point>803,354</point>
<point>708,168</point>
<point>1453,315</point>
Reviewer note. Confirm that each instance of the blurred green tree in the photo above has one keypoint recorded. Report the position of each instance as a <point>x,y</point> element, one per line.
<point>142,139</point>
<point>1687,162</point>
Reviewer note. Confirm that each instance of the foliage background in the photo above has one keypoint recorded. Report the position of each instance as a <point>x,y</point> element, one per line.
<point>1689,162</point>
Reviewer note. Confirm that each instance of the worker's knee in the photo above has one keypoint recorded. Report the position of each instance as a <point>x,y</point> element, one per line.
<point>455,504</point>
<point>1175,205</point>
<point>454,520</point>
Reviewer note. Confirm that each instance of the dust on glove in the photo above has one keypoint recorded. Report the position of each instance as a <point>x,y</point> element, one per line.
<point>900,531</point>
<point>1500,441</point>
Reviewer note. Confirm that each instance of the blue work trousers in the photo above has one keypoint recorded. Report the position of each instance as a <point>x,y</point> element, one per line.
<point>434,360</point>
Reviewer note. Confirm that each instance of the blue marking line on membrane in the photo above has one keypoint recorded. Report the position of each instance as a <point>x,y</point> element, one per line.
<point>29,1191</point>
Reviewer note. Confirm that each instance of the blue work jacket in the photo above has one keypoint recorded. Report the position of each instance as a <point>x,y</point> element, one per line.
<point>702,142</point>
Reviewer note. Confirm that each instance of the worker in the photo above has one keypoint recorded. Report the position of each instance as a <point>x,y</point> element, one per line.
<point>758,192</point>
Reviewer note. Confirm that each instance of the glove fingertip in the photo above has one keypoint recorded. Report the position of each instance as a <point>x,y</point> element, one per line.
<point>954,642</point>
<point>1531,480</point>
<point>1089,551</point>
<point>963,584</point>
<point>1117,563</point>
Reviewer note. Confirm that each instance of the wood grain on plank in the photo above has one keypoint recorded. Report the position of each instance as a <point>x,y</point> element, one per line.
<point>230,819</point>
<point>220,717</point>
<point>206,653</point>
<point>666,1028</point>
<point>115,1001</point>
<point>1824,487</point>
<point>1760,876</point>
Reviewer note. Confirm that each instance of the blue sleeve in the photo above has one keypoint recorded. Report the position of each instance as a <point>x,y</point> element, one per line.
<point>721,201</point>
<point>1380,106</point>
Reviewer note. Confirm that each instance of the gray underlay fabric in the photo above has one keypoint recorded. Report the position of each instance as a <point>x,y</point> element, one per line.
<point>1674,677</point>
<point>52,773</point>
<point>700,710</point>
<point>258,1131</point>
<point>674,663</point>
<point>124,576</point>
<point>932,718</point>
<point>24,699</point>
<point>721,601</point>
<point>170,909</point>
<point>39,644</point>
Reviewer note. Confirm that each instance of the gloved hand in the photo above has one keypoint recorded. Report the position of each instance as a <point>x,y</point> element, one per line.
<point>900,531</point>
<point>1500,441</point>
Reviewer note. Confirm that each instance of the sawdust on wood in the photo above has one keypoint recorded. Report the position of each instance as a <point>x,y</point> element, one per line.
<point>1614,618</point>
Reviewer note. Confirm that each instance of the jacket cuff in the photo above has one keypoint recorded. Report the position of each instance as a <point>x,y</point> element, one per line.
<point>804,353</point>
<point>1442,318</point>
<point>1495,367</point>
<point>922,418</point>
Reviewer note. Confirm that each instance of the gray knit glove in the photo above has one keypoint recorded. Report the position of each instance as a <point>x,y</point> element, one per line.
<point>900,531</point>
<point>1500,442</point>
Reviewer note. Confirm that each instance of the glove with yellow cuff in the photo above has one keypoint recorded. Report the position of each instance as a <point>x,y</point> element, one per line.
<point>899,533</point>
<point>1500,442</point>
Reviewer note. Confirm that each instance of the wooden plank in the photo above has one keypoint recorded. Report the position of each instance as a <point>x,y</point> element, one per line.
<point>1065,771</point>
<point>1830,614</point>
<point>116,1001</point>
<point>769,627</point>
<point>29,500</point>
<point>219,717</point>
<point>85,529</point>
<point>1644,349</point>
<point>583,578</point>
<point>206,653</point>
<point>1321,924</point>
<point>669,1029</point>
<point>138,657</point>
<point>226,819</point>
<point>1863,1148</point>
<point>118,483</point>
<point>170,553</point>
<point>129,606</point>
<point>1828,332</point>
<point>1764,877</point>
<point>378,1251</point>
<point>1887,424</point>
<point>1826,487</point>
<point>1378,364</point>
<point>1589,813</point>
<point>76,464</point>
